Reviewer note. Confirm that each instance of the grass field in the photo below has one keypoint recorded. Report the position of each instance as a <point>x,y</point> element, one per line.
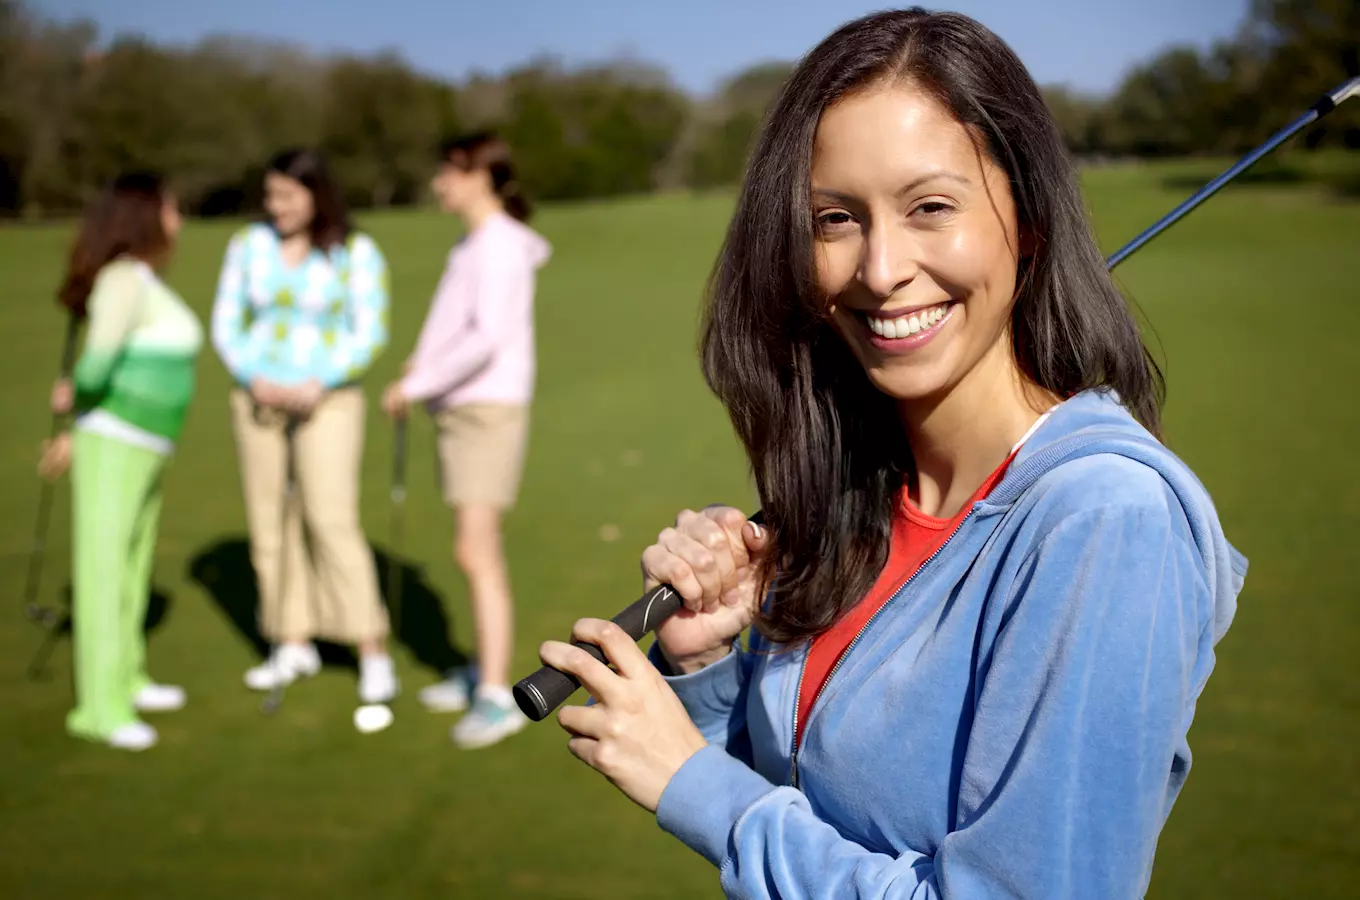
<point>1253,303</point>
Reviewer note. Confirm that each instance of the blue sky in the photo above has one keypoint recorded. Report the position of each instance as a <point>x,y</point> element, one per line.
<point>1085,43</point>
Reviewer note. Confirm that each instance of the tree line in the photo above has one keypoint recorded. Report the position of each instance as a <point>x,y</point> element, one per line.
<point>74,110</point>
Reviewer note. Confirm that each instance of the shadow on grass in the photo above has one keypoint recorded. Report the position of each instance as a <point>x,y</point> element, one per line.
<point>223,569</point>
<point>56,621</point>
<point>1346,187</point>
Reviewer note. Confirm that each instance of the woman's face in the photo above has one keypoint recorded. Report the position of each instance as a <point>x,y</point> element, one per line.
<point>170,217</point>
<point>458,188</point>
<point>916,240</point>
<point>289,204</point>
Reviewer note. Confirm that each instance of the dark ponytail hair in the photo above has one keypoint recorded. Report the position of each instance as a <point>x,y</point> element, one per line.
<point>124,220</point>
<point>827,450</point>
<point>331,225</point>
<point>488,150</point>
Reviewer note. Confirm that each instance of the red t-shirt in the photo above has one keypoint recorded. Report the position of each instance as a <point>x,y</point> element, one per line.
<point>915,538</point>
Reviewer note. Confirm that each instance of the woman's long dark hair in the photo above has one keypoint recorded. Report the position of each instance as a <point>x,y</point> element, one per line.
<point>488,150</point>
<point>331,225</point>
<point>826,447</point>
<point>124,220</point>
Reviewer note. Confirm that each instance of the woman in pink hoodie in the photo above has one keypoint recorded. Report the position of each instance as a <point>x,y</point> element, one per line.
<point>473,367</point>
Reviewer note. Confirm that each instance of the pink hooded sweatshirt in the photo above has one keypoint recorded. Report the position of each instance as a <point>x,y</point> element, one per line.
<point>477,343</point>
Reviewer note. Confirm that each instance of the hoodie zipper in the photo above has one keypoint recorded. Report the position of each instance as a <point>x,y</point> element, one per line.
<point>798,695</point>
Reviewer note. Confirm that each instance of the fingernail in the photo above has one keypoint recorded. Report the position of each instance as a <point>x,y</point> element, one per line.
<point>757,531</point>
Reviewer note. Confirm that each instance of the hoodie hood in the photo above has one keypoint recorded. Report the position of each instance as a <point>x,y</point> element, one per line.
<point>512,235</point>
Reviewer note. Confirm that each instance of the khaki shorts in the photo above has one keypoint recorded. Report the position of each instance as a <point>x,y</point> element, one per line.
<point>481,448</point>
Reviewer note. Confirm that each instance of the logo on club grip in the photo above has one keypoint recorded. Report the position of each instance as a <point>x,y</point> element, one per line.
<point>664,594</point>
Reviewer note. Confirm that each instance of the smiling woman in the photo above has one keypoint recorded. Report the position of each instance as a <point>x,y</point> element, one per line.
<point>300,315</point>
<point>988,597</point>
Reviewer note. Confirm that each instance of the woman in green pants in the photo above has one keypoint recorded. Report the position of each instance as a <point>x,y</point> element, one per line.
<point>132,385</point>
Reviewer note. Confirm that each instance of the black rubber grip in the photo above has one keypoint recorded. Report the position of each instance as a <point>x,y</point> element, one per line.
<point>548,688</point>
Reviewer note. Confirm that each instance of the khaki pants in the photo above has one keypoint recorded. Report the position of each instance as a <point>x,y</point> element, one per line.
<point>330,586</point>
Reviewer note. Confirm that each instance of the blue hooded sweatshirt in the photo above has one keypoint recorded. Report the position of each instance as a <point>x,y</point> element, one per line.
<point>1012,723</point>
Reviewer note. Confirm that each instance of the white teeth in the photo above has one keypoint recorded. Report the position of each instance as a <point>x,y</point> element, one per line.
<point>902,326</point>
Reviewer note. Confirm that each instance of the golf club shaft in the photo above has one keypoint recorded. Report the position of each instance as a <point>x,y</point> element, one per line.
<point>1319,109</point>
<point>48,490</point>
<point>398,498</point>
<point>275,698</point>
<point>37,667</point>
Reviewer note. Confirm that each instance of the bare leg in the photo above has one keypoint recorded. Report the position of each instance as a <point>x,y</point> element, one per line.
<point>477,550</point>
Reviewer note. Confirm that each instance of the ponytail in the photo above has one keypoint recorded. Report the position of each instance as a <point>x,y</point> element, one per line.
<point>517,206</point>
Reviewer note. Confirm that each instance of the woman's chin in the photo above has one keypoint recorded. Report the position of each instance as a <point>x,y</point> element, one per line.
<point>907,386</point>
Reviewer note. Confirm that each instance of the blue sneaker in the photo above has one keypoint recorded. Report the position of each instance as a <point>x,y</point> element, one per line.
<point>452,694</point>
<point>490,721</point>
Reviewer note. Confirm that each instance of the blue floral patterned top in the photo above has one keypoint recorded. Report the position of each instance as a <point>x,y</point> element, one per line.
<point>325,318</point>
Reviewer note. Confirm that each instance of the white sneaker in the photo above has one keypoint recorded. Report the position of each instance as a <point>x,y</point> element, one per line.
<point>449,695</point>
<point>377,679</point>
<point>134,736</point>
<point>159,698</point>
<point>287,664</point>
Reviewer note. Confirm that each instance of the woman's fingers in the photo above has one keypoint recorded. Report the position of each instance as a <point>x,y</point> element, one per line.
<point>62,396</point>
<point>704,556</point>
<point>620,649</point>
<point>757,540</point>
<point>594,675</point>
<point>707,565</point>
<point>583,721</point>
<point>661,566</point>
<point>56,458</point>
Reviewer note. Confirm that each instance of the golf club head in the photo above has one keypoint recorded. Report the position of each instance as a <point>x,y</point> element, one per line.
<point>271,703</point>
<point>1346,91</point>
<point>45,616</point>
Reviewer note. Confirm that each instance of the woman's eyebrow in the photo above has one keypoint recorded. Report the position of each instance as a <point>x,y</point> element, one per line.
<point>915,183</point>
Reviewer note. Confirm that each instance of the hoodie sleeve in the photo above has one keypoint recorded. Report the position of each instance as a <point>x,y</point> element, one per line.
<point>715,698</point>
<point>1086,677</point>
<point>503,284</point>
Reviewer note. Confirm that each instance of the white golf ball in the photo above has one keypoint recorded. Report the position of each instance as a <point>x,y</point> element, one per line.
<point>371,718</point>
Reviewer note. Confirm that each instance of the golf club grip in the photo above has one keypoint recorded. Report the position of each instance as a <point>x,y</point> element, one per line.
<point>545,690</point>
<point>548,688</point>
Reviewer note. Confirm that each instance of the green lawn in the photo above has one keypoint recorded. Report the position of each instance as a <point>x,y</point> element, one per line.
<point>1254,304</point>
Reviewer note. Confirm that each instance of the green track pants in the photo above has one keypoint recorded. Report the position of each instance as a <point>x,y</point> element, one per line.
<point>117,501</point>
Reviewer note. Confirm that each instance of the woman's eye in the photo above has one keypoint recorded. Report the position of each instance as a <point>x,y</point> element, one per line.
<point>834,219</point>
<point>934,208</point>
